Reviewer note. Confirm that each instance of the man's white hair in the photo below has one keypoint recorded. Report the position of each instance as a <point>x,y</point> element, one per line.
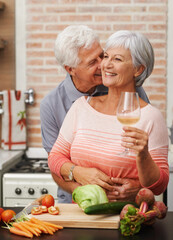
<point>70,40</point>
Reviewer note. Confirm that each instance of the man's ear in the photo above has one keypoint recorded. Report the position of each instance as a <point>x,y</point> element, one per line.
<point>139,71</point>
<point>70,70</point>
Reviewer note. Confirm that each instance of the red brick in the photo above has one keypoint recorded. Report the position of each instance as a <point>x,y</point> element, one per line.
<point>42,36</point>
<point>35,62</point>
<point>113,1</point>
<point>40,54</point>
<point>42,2</point>
<point>157,27</point>
<point>34,27</point>
<point>34,45</point>
<point>113,18</point>
<point>60,9</point>
<point>73,18</point>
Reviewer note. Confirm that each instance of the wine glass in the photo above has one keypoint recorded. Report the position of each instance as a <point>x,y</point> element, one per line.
<point>128,111</point>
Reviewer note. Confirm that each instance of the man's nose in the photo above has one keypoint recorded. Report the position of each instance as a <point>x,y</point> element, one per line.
<point>99,62</point>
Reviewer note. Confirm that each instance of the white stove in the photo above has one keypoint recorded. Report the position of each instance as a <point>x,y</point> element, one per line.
<point>20,189</point>
<point>27,180</point>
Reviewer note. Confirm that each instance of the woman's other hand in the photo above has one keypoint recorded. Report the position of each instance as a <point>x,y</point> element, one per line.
<point>136,140</point>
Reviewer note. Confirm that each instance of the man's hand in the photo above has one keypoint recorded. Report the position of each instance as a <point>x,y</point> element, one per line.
<point>67,186</point>
<point>86,176</point>
<point>124,189</point>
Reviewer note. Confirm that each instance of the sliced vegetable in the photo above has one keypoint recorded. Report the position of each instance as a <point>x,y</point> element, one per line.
<point>54,210</point>
<point>106,208</point>
<point>44,209</point>
<point>88,195</point>
<point>36,211</point>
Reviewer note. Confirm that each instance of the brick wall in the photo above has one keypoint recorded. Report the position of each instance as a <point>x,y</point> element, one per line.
<point>46,18</point>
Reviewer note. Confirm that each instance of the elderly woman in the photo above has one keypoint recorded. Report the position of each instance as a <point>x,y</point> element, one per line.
<point>91,137</point>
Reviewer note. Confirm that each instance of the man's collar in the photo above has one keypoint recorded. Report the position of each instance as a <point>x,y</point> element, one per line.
<point>71,90</point>
<point>74,94</point>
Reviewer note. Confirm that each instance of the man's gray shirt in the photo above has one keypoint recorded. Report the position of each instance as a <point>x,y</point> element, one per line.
<point>53,109</point>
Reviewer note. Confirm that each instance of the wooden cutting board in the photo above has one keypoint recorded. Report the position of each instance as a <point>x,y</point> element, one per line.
<point>73,217</point>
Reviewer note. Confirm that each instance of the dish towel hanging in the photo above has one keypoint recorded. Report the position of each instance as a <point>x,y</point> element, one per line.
<point>13,120</point>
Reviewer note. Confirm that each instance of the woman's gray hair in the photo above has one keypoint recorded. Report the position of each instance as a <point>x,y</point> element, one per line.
<point>140,48</point>
<point>70,40</point>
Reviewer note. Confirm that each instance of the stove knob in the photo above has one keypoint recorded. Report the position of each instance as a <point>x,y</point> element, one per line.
<point>44,191</point>
<point>18,191</point>
<point>31,191</point>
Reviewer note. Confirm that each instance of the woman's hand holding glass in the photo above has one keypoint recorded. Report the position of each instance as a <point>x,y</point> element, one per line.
<point>128,112</point>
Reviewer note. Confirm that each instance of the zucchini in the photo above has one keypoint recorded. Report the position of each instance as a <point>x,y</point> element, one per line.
<point>107,208</point>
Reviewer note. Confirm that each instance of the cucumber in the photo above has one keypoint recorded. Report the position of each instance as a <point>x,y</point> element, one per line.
<point>107,208</point>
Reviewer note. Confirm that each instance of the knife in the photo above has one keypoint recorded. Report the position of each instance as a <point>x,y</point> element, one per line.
<point>28,208</point>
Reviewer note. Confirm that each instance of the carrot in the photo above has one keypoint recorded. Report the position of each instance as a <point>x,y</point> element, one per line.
<point>49,224</point>
<point>51,228</point>
<point>34,226</point>
<point>30,229</point>
<point>38,227</point>
<point>39,223</point>
<point>53,225</point>
<point>20,227</point>
<point>19,232</point>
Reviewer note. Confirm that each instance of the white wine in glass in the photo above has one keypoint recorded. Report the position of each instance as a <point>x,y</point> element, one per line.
<point>128,111</point>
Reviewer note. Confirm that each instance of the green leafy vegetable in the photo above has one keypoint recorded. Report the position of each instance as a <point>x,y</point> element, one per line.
<point>88,195</point>
<point>131,223</point>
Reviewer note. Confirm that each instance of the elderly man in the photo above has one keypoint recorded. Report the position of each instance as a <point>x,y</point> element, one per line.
<point>78,51</point>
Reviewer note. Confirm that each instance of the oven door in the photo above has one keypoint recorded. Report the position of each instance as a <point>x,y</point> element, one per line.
<point>19,189</point>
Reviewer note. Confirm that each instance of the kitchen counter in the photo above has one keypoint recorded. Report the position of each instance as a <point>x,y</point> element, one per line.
<point>7,160</point>
<point>162,229</point>
<point>6,157</point>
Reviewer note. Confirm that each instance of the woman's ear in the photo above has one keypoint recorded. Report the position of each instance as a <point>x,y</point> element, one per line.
<point>139,71</point>
<point>70,70</point>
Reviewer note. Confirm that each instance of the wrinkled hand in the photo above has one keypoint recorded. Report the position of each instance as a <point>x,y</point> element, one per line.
<point>124,189</point>
<point>85,176</point>
<point>135,139</point>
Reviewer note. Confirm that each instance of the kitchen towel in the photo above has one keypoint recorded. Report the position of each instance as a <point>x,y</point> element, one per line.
<point>13,120</point>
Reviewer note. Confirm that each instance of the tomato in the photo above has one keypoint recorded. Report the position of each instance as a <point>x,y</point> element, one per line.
<point>44,209</point>
<point>53,210</point>
<point>1,210</point>
<point>36,211</point>
<point>48,201</point>
<point>7,215</point>
<point>39,210</point>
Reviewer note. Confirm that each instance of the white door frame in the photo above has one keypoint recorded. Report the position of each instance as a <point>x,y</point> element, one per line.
<point>20,44</point>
